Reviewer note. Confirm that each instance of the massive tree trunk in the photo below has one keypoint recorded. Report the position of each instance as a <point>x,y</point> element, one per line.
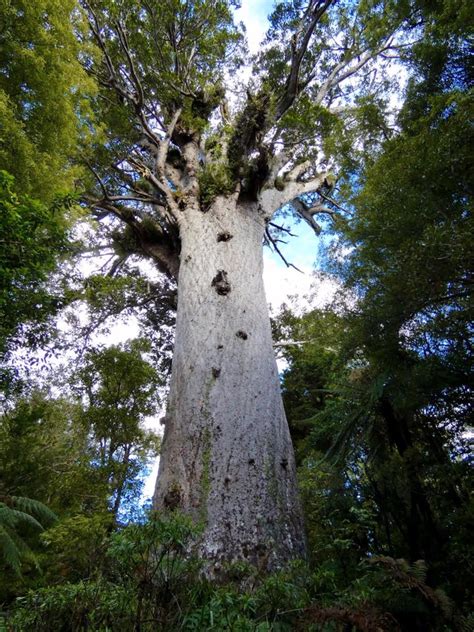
<point>227,457</point>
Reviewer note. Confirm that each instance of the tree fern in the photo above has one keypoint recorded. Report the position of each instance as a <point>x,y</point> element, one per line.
<point>413,577</point>
<point>34,508</point>
<point>9,550</point>
<point>16,512</point>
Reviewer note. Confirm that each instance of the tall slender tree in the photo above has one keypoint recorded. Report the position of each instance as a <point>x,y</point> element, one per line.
<point>191,180</point>
<point>44,108</point>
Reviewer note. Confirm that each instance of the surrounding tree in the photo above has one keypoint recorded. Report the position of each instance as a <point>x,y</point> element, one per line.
<point>44,114</point>
<point>16,512</point>
<point>32,236</point>
<point>44,96</point>
<point>120,390</point>
<point>379,397</point>
<point>85,458</point>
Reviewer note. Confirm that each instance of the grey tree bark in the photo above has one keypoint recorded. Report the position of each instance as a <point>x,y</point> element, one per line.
<point>227,457</point>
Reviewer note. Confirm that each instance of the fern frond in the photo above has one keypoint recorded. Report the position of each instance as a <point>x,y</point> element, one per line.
<point>8,518</point>
<point>9,551</point>
<point>12,517</point>
<point>467,623</point>
<point>418,570</point>
<point>20,511</point>
<point>34,508</point>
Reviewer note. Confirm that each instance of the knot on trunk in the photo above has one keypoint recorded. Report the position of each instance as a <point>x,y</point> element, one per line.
<point>241,334</point>
<point>221,283</point>
<point>224,236</point>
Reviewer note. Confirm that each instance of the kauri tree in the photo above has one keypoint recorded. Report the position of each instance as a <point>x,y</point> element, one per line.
<point>190,178</point>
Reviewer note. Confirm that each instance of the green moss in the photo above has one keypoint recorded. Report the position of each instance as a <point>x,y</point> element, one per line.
<point>215,179</point>
<point>197,110</point>
<point>279,183</point>
<point>269,471</point>
<point>249,127</point>
<point>205,473</point>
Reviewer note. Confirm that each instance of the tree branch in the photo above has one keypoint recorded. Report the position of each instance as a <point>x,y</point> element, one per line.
<point>337,76</point>
<point>282,228</point>
<point>274,244</point>
<point>271,199</point>
<point>299,46</point>
<point>151,238</point>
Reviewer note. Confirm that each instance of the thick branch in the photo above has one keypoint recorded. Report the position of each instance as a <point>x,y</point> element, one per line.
<point>165,144</point>
<point>125,81</point>
<point>151,239</point>
<point>271,199</point>
<point>308,212</point>
<point>299,46</point>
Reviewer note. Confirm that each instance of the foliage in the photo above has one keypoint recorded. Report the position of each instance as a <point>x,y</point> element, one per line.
<point>120,388</point>
<point>75,547</point>
<point>32,237</point>
<point>150,581</point>
<point>39,432</point>
<point>17,513</point>
<point>44,120</point>
<point>147,584</point>
<point>214,179</point>
<point>170,74</point>
<point>379,398</point>
<point>85,458</point>
<point>379,395</point>
<point>44,96</point>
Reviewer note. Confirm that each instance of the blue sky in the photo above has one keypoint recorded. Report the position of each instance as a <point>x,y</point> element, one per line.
<point>253,13</point>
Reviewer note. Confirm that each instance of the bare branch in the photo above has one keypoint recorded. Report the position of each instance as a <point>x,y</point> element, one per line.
<point>97,177</point>
<point>165,143</point>
<point>334,203</point>
<point>274,244</point>
<point>282,228</point>
<point>170,212</point>
<point>133,71</point>
<point>114,79</point>
<point>307,213</point>
<point>346,68</point>
<point>291,343</point>
<point>145,199</point>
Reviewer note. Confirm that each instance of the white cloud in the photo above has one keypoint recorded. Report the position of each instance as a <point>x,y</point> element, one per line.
<point>300,290</point>
<point>253,13</point>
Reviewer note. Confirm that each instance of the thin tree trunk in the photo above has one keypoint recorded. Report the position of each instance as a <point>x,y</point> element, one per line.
<point>227,457</point>
<point>121,482</point>
<point>422,533</point>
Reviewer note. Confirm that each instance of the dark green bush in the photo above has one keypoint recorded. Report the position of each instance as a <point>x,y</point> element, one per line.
<point>150,581</point>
